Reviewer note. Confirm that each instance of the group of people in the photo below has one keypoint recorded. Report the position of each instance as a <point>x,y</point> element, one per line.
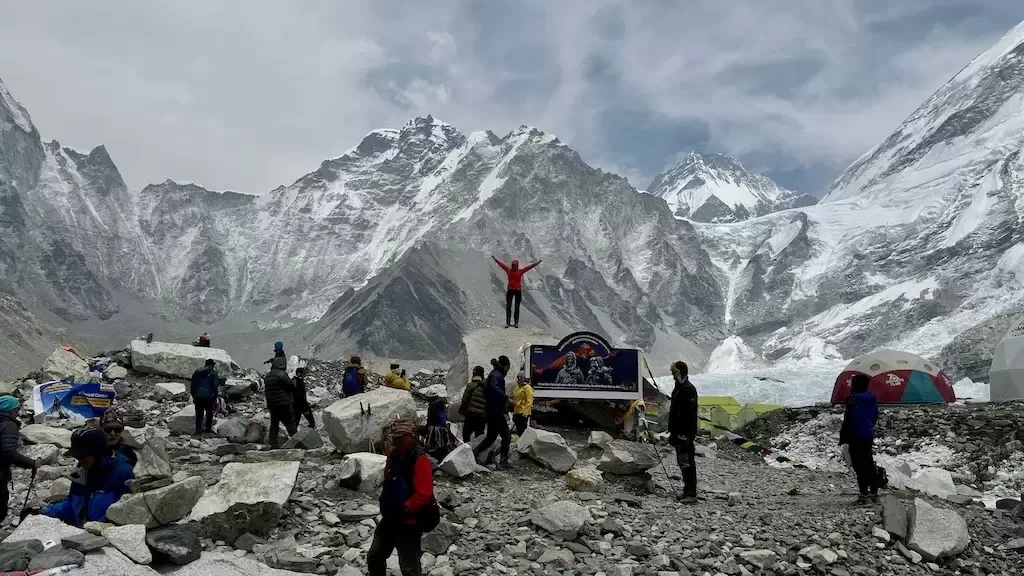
<point>485,406</point>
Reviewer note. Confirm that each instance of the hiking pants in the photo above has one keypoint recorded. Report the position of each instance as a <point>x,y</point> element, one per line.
<point>281,415</point>
<point>686,458</point>
<point>497,425</point>
<point>517,297</point>
<point>389,536</point>
<point>298,411</point>
<point>473,425</point>
<point>522,422</point>
<point>5,496</point>
<point>204,414</point>
<point>864,465</point>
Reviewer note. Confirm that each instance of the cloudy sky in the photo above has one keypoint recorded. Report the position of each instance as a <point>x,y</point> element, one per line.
<point>249,95</point>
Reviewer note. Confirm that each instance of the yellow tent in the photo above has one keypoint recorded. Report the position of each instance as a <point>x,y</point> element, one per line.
<point>718,412</point>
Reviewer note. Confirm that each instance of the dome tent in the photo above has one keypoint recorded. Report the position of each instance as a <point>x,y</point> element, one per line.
<point>1006,376</point>
<point>897,378</point>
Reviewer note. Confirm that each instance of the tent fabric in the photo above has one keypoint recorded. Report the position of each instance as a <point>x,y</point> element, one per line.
<point>897,378</point>
<point>1006,375</point>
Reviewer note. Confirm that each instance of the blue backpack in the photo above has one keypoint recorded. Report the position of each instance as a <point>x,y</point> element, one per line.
<point>351,384</point>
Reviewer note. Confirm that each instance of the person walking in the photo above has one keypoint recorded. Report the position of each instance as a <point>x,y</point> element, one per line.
<point>10,408</point>
<point>682,428</point>
<point>300,402</point>
<point>407,493</point>
<point>858,432</point>
<point>474,407</point>
<point>100,480</point>
<point>204,395</point>
<point>496,407</point>
<point>522,402</point>
<point>279,391</point>
<point>514,288</point>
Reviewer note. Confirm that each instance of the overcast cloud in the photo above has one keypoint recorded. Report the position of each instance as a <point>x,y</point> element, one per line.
<point>248,95</point>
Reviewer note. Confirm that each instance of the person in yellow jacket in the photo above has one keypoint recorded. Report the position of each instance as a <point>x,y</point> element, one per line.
<point>396,379</point>
<point>522,403</point>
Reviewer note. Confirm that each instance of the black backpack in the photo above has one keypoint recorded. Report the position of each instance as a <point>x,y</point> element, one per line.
<point>400,474</point>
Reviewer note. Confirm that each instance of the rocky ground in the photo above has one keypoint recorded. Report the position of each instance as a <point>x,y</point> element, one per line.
<point>225,504</point>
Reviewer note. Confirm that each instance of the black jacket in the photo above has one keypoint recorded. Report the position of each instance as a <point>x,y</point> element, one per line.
<point>682,416</point>
<point>204,383</point>
<point>299,400</point>
<point>277,385</point>
<point>473,402</point>
<point>9,455</point>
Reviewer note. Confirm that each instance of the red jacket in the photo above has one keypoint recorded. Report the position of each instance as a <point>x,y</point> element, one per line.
<point>515,273</point>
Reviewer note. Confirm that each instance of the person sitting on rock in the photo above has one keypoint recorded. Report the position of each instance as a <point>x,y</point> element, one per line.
<point>113,426</point>
<point>473,407</point>
<point>522,403</point>
<point>205,382</point>
<point>300,403</point>
<point>858,432</point>
<point>439,438</point>
<point>514,291</point>
<point>682,429</point>
<point>406,497</point>
<point>353,381</point>
<point>101,479</point>
<point>396,379</point>
<point>279,392</point>
<point>497,410</point>
<point>203,341</point>
<point>9,455</point>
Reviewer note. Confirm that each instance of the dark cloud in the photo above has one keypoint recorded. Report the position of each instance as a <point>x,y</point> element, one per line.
<point>251,94</point>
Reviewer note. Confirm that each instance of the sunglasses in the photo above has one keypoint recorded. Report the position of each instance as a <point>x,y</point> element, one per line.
<point>113,429</point>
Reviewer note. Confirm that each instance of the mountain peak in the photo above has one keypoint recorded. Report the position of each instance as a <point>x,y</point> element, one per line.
<point>13,113</point>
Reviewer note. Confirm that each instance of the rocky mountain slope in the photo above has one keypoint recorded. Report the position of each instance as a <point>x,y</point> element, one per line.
<point>717,188</point>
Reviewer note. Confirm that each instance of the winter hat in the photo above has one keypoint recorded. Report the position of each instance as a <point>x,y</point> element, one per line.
<point>111,417</point>
<point>211,362</point>
<point>278,346</point>
<point>8,403</point>
<point>88,442</point>
<point>521,377</point>
<point>403,427</point>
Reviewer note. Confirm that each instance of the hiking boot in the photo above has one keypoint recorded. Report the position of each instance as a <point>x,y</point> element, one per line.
<point>508,325</point>
<point>516,324</point>
<point>862,500</point>
<point>689,500</point>
<point>505,464</point>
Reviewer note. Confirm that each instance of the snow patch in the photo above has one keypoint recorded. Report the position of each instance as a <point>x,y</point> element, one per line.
<point>733,355</point>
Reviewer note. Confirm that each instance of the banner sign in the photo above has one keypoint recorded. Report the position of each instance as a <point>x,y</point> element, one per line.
<point>584,365</point>
<point>65,400</point>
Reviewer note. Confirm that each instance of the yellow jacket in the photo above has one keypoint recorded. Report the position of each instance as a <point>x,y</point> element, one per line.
<point>393,380</point>
<point>522,399</point>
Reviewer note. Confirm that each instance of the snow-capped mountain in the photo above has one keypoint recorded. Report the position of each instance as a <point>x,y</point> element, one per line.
<point>717,188</point>
<point>918,241</point>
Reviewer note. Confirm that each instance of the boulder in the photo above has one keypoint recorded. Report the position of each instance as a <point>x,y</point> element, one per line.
<point>585,479</point>
<point>233,428</point>
<point>238,388</point>
<point>130,540</point>
<point>109,562</point>
<point>183,421</point>
<point>160,506</point>
<point>547,449</point>
<point>936,533</point>
<point>934,481</point>
<point>229,565</point>
<point>170,391</point>
<point>433,391</point>
<point>43,434</point>
<point>84,543</point>
<point>460,462</point>
<point>491,454</point>
<point>15,556</point>
<point>599,439</point>
<point>563,518</point>
<point>353,423</point>
<point>115,372</point>
<point>48,453</point>
<point>55,557</point>
<point>42,528</point>
<point>363,471</point>
<point>894,517</point>
<point>623,457</point>
<point>246,493</point>
<point>178,544</point>
<point>176,360</point>
<point>154,463</point>
<point>58,491</point>
<point>305,439</point>
<point>63,365</point>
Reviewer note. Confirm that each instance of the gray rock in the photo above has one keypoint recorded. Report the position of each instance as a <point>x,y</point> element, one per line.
<point>268,482</point>
<point>760,558</point>
<point>63,364</point>
<point>460,462</point>
<point>178,544</point>
<point>894,517</point>
<point>351,428</point>
<point>115,372</point>
<point>59,490</point>
<point>563,518</point>
<point>84,543</point>
<point>258,518</point>
<point>547,449</point>
<point>48,453</point>
<point>585,479</point>
<point>43,434</point>
<point>183,422</point>
<point>42,528</point>
<point>305,439</point>
<point>160,506</point>
<point>362,471</point>
<point>563,557</point>
<point>15,556</point>
<point>623,457</point>
<point>130,540</point>
<point>599,439</point>
<point>170,391</point>
<point>248,541</point>
<point>176,360</point>
<point>293,562</point>
<point>154,463</point>
<point>213,563</point>
<point>234,429</point>
<point>238,389</point>
<point>936,533</point>
<point>56,557</point>
<point>438,540</point>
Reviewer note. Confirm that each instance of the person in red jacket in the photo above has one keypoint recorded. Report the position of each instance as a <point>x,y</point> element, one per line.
<point>407,491</point>
<point>514,292</point>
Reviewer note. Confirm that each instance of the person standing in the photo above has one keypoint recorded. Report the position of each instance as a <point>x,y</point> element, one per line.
<point>858,432</point>
<point>10,408</point>
<point>300,403</point>
<point>279,391</point>
<point>496,406</point>
<point>406,493</point>
<point>514,288</point>
<point>682,428</point>
<point>474,407</point>
<point>522,402</point>
<point>204,395</point>
<point>278,353</point>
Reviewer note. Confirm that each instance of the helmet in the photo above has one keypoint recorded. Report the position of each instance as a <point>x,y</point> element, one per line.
<point>88,442</point>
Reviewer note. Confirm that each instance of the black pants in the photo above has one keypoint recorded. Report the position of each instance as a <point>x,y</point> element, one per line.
<point>204,414</point>
<point>497,425</point>
<point>686,458</point>
<point>389,536</point>
<point>281,415</point>
<point>473,425</point>
<point>863,461</point>
<point>299,411</point>
<point>522,422</point>
<point>5,496</point>
<point>517,297</point>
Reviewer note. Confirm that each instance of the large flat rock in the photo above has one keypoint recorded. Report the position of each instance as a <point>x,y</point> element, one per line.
<point>249,484</point>
<point>110,562</point>
<point>176,360</point>
<point>351,429</point>
<point>43,434</point>
<point>65,365</point>
<point>217,564</point>
<point>42,528</point>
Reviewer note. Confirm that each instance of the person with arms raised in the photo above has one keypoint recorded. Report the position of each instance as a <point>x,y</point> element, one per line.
<point>514,288</point>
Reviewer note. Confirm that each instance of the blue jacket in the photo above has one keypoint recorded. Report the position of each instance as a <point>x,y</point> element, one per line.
<point>204,383</point>
<point>495,395</point>
<point>89,502</point>
<point>860,418</point>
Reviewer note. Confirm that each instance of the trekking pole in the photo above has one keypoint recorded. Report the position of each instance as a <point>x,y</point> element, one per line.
<point>31,484</point>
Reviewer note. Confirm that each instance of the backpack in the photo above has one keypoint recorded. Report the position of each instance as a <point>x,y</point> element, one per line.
<point>351,383</point>
<point>397,487</point>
